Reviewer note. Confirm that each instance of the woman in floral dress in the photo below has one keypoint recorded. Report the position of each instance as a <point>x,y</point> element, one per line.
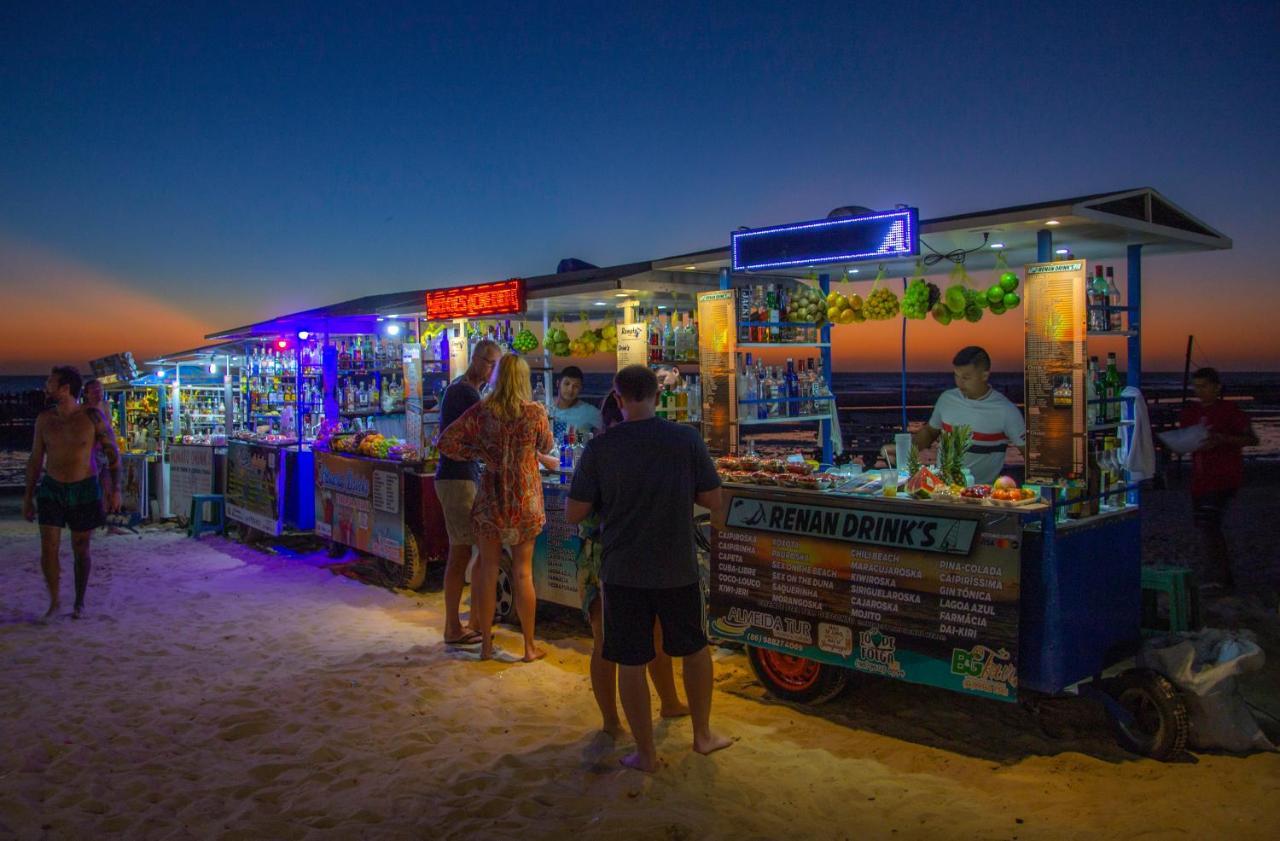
<point>510,434</point>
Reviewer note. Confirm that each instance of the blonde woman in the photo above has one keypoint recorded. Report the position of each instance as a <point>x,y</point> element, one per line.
<point>509,433</point>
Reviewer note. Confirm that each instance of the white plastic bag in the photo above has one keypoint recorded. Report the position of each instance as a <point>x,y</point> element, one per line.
<point>1204,665</point>
<point>1187,439</point>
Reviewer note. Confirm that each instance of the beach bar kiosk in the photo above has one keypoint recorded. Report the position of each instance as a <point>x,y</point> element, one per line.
<point>987,596</point>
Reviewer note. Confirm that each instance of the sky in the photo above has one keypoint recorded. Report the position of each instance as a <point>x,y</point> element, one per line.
<point>167,170</point>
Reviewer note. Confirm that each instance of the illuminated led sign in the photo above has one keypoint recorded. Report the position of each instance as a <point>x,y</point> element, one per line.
<point>848,239</point>
<point>501,298</point>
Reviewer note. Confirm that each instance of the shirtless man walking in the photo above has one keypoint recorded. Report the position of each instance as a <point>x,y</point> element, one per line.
<point>68,494</point>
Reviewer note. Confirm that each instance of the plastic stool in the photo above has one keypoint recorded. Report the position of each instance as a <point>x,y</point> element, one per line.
<point>1176,584</point>
<point>198,525</point>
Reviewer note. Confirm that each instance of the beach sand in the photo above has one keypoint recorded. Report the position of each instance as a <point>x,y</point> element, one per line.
<point>218,691</point>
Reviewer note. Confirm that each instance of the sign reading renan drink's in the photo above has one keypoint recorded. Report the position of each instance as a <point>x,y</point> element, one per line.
<point>947,535</point>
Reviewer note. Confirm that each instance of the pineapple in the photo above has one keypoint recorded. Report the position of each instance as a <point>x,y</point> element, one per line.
<point>913,461</point>
<point>952,448</point>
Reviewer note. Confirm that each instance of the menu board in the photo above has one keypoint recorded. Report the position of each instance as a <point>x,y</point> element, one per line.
<point>555,553</point>
<point>633,344</point>
<point>360,503</point>
<point>1054,309</point>
<point>190,473</point>
<point>412,360</point>
<point>255,479</point>
<point>717,330</point>
<point>913,592</point>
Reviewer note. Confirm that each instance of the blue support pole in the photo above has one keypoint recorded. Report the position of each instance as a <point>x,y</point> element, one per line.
<point>1134,373</point>
<point>824,336</point>
<point>1044,245</point>
<point>1135,316</point>
<point>726,282</point>
<point>904,362</point>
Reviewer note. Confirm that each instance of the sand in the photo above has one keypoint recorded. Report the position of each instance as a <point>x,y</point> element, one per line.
<point>217,691</point>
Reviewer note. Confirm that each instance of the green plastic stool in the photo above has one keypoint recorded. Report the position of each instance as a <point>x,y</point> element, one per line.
<point>197,524</point>
<point>1176,584</point>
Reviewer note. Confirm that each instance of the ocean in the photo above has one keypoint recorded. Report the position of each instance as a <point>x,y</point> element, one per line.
<point>870,408</point>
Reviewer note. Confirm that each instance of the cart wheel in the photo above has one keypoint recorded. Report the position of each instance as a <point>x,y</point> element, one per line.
<point>1160,724</point>
<point>796,678</point>
<point>335,549</point>
<point>504,609</point>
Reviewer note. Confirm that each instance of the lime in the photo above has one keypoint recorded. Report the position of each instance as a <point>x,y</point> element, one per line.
<point>1008,281</point>
<point>995,293</point>
<point>1011,300</point>
<point>997,308</point>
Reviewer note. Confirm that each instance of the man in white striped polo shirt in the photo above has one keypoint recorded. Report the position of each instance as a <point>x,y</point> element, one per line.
<point>995,421</point>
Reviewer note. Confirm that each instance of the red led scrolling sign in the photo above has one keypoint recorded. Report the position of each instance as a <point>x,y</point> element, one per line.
<point>501,298</point>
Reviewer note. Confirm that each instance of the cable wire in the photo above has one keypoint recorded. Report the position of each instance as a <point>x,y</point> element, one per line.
<point>957,255</point>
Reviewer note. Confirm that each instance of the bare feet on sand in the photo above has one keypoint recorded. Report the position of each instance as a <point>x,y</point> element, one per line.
<point>639,762</point>
<point>614,730</point>
<point>54,607</point>
<point>77,612</point>
<point>531,654</point>
<point>676,710</point>
<point>711,743</point>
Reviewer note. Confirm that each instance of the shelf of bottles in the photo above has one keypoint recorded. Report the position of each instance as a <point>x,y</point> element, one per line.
<point>1107,411</point>
<point>673,343</point>
<point>370,376</point>
<point>269,383</point>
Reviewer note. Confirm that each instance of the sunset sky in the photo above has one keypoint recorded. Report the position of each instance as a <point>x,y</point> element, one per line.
<point>181,168</point>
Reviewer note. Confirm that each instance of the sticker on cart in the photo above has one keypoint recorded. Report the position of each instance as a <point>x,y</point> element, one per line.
<point>878,654</point>
<point>386,491</point>
<point>836,639</point>
<point>986,670</point>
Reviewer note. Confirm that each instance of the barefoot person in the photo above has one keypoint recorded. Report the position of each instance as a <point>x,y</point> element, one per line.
<point>510,434</point>
<point>68,494</point>
<point>604,674</point>
<point>643,477</point>
<point>456,490</point>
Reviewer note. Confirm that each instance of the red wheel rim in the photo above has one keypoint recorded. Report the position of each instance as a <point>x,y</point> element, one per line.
<point>794,674</point>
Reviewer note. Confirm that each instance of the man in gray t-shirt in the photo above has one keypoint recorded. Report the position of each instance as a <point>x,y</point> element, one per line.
<point>643,479</point>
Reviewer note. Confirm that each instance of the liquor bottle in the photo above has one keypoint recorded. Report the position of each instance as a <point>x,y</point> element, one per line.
<point>771,295</point>
<point>791,386</point>
<point>669,338</point>
<point>682,339</point>
<point>746,313</point>
<point>695,399</point>
<point>744,385</point>
<point>375,398</point>
<point>579,444</point>
<point>1113,387</point>
<point>1115,316</point>
<point>1091,411</point>
<point>655,344</point>
<point>1097,299</point>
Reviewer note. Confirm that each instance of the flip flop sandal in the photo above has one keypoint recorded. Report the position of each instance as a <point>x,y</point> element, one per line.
<point>469,638</point>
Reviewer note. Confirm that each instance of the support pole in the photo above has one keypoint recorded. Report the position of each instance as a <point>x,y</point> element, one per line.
<point>1044,245</point>
<point>824,336</point>
<point>1135,316</point>
<point>904,363</point>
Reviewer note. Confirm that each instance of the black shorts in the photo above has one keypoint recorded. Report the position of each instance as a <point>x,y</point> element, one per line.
<point>73,505</point>
<point>628,622</point>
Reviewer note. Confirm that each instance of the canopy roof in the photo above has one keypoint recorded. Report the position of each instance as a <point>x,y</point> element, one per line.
<point>1094,227</point>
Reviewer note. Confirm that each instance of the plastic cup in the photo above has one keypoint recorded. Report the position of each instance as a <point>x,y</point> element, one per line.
<point>889,481</point>
<point>902,443</point>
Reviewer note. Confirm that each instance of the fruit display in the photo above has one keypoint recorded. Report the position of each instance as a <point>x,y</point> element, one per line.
<point>881,304</point>
<point>525,341</point>
<point>370,444</point>
<point>557,340</point>
<point>920,298</point>
<point>975,493</point>
<point>952,447</point>
<point>923,483</point>
<point>808,305</point>
<point>592,341</point>
<point>845,310</point>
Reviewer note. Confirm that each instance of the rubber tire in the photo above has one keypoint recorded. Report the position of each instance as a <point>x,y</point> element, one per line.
<point>504,606</point>
<point>412,574</point>
<point>796,678</point>
<point>1163,725</point>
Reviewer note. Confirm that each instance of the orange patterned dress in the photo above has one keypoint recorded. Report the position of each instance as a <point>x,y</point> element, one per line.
<point>509,501</point>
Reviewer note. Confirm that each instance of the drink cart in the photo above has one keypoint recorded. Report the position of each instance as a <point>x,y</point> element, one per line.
<point>998,593</point>
<point>346,382</point>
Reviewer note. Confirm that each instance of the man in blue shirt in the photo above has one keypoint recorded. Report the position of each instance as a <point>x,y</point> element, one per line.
<point>643,479</point>
<point>568,411</point>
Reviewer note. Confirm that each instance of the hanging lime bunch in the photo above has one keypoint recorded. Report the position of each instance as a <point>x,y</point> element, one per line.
<point>557,339</point>
<point>881,303</point>
<point>594,340</point>
<point>1002,296</point>
<point>960,300</point>
<point>920,295</point>
<point>525,341</point>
